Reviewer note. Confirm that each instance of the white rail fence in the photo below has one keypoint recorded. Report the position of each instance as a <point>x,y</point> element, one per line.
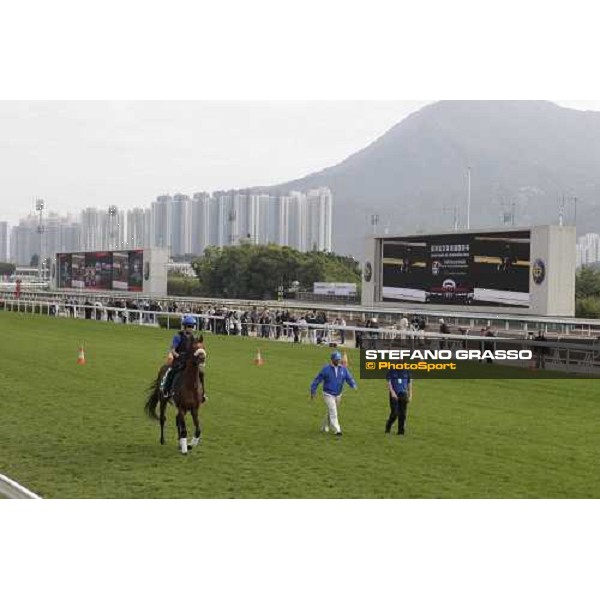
<point>15,491</point>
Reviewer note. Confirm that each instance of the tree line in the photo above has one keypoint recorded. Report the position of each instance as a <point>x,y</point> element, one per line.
<point>259,271</point>
<point>587,293</point>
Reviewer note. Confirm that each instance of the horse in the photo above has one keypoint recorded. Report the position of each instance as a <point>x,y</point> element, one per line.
<point>188,394</point>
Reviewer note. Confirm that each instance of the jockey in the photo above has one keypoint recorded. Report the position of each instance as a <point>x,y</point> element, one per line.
<point>177,355</point>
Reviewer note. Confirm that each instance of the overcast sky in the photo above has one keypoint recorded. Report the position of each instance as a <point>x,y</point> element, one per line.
<point>78,154</point>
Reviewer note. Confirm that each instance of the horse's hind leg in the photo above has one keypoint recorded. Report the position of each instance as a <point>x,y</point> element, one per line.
<point>163,407</point>
<point>181,428</point>
<point>197,433</point>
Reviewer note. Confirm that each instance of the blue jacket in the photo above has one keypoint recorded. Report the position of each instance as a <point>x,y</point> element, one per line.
<point>400,380</point>
<point>332,385</point>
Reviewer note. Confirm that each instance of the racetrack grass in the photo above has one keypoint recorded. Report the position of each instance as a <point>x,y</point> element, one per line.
<point>72,431</point>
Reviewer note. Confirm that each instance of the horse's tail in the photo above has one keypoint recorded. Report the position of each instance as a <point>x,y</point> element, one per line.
<point>153,397</point>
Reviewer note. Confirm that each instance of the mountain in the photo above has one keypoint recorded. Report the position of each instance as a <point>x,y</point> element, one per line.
<point>527,153</point>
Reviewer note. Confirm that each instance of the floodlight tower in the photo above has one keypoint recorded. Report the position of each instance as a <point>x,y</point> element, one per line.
<point>39,207</point>
<point>113,212</point>
<point>561,211</point>
<point>469,197</point>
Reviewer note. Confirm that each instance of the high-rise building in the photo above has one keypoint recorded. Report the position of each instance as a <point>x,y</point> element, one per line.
<point>71,236</point>
<point>3,241</point>
<point>222,219</point>
<point>138,228</point>
<point>181,225</point>
<point>52,234</point>
<point>161,221</point>
<point>588,249</point>
<point>319,219</point>
<point>283,221</point>
<point>91,229</point>
<point>298,221</point>
<point>25,241</point>
<point>200,222</point>
<point>302,220</point>
<point>260,218</point>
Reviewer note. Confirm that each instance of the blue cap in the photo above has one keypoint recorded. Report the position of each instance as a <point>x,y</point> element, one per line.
<point>189,320</point>
<point>336,356</point>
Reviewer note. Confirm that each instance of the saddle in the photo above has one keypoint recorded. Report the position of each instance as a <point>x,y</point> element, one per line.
<point>171,395</point>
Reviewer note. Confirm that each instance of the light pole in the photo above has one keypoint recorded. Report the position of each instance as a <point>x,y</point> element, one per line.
<point>454,214</point>
<point>39,207</point>
<point>468,197</point>
<point>561,211</point>
<point>112,215</point>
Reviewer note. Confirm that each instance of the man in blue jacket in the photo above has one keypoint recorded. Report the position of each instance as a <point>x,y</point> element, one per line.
<point>333,377</point>
<point>400,389</point>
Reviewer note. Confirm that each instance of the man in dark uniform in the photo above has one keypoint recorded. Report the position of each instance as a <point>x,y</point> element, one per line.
<point>399,384</point>
<point>541,351</point>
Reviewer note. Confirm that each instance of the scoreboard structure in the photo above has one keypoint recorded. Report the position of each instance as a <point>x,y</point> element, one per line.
<point>518,271</point>
<point>143,271</point>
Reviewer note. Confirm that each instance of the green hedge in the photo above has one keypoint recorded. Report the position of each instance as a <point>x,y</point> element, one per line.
<point>587,308</point>
<point>174,321</point>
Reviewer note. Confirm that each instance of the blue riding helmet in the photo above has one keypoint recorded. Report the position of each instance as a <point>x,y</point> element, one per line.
<point>188,321</point>
<point>336,356</point>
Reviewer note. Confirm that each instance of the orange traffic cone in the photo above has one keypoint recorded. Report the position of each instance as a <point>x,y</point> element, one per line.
<point>345,360</point>
<point>258,361</point>
<point>81,356</point>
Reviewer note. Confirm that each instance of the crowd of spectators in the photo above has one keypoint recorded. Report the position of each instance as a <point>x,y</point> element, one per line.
<point>268,323</point>
<point>297,326</point>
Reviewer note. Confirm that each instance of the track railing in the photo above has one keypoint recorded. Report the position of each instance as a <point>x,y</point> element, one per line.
<point>15,491</point>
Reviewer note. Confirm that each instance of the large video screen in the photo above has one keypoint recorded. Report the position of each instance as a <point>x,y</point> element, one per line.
<point>63,271</point>
<point>136,267</point>
<point>101,270</point>
<point>483,269</point>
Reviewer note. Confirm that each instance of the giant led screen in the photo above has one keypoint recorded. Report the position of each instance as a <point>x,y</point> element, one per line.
<point>483,269</point>
<point>119,270</point>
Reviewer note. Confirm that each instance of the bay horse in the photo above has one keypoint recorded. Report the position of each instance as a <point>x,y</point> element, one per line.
<point>188,394</point>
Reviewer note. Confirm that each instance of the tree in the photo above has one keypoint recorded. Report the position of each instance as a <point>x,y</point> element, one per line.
<point>7,268</point>
<point>587,293</point>
<point>587,282</point>
<point>257,271</point>
<point>35,260</point>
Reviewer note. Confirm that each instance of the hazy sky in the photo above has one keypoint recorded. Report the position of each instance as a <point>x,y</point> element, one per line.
<point>77,154</point>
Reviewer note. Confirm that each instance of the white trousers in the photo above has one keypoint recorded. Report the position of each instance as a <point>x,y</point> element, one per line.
<point>331,418</point>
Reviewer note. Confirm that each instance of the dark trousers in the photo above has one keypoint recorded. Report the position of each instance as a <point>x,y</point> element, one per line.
<point>398,410</point>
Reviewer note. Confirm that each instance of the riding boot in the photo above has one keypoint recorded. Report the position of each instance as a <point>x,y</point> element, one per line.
<point>165,384</point>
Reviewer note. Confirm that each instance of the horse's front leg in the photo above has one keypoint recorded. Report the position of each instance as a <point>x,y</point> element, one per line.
<point>182,432</point>
<point>196,438</point>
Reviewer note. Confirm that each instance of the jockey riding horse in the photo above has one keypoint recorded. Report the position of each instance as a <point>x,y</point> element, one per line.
<point>181,384</point>
<point>180,347</point>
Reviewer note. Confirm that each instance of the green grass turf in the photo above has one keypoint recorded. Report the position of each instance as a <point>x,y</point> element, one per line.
<point>71,431</point>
